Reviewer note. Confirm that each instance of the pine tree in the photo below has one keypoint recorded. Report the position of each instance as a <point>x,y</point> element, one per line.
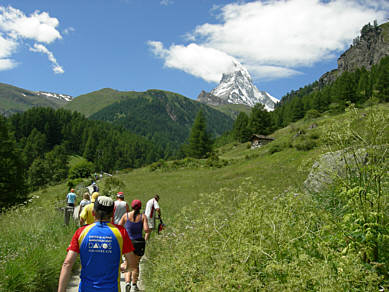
<point>241,131</point>
<point>200,144</point>
<point>260,121</point>
<point>12,184</point>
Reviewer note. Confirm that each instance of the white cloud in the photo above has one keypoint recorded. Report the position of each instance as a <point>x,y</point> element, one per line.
<point>39,48</point>
<point>274,37</point>
<point>166,2</point>
<point>7,64</point>
<point>16,29</point>
<point>68,30</point>
<point>39,26</point>
<point>206,63</point>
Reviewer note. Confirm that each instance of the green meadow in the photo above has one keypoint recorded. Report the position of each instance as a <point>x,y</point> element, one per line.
<point>239,220</point>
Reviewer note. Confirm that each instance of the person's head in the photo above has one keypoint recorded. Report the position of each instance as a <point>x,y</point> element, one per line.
<point>120,195</point>
<point>72,190</point>
<point>103,208</point>
<point>136,205</point>
<point>86,196</point>
<point>95,195</point>
<point>156,197</point>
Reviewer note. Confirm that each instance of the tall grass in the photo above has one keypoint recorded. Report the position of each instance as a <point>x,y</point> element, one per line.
<point>254,239</point>
<point>33,242</point>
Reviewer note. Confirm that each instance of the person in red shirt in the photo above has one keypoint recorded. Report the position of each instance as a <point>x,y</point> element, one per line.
<point>100,246</point>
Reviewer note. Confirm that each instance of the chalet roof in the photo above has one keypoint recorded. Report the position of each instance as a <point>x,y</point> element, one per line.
<point>261,137</point>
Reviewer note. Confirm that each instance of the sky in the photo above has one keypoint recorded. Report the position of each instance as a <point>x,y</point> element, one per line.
<point>78,46</point>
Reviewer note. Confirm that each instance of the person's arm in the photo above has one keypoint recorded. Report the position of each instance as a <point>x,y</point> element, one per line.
<point>123,220</point>
<point>146,226</point>
<point>66,270</point>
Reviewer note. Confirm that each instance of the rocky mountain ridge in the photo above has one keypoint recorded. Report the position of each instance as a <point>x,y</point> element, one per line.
<point>367,50</point>
<point>237,87</point>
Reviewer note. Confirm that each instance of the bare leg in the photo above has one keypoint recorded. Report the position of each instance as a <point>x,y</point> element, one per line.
<point>135,272</point>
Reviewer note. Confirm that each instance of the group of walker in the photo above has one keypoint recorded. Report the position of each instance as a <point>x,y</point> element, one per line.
<point>108,232</point>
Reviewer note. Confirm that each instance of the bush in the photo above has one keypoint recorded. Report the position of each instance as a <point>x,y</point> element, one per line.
<point>303,143</point>
<point>275,148</point>
<point>111,187</point>
<point>161,164</point>
<point>83,169</point>
<point>312,114</point>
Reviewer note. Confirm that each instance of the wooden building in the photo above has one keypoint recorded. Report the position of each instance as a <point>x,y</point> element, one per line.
<point>259,140</point>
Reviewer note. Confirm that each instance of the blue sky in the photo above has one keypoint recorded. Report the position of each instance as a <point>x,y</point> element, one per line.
<point>78,46</point>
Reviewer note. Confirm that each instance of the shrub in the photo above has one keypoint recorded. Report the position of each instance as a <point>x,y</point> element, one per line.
<point>111,187</point>
<point>304,143</point>
<point>275,148</point>
<point>82,169</point>
<point>312,114</point>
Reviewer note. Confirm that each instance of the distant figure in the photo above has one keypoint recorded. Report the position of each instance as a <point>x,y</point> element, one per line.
<point>101,246</point>
<point>85,201</point>
<point>71,198</point>
<point>121,207</point>
<point>152,206</point>
<point>135,223</point>
<point>86,216</point>
<point>95,187</point>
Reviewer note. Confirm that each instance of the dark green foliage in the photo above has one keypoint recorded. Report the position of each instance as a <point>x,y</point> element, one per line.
<point>162,117</point>
<point>260,120</point>
<point>199,142</point>
<point>83,169</point>
<point>241,129</point>
<point>312,114</point>
<point>48,136</point>
<point>12,184</point>
<point>351,87</point>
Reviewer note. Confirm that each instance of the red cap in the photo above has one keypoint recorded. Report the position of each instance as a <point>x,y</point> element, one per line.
<point>120,195</point>
<point>136,204</point>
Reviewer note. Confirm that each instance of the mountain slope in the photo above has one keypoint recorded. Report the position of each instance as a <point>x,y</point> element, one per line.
<point>237,88</point>
<point>163,117</point>
<point>14,99</point>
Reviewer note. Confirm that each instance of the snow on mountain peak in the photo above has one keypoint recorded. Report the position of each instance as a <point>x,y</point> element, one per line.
<point>237,87</point>
<point>63,97</point>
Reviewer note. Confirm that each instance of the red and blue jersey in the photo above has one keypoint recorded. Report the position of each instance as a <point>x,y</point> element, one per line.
<point>100,246</point>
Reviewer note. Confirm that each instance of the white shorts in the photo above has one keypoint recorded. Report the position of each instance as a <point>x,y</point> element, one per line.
<point>151,222</point>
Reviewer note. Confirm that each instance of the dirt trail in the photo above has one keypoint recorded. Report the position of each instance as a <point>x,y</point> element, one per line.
<point>75,280</point>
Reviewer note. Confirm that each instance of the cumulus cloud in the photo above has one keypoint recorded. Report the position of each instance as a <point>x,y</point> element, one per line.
<point>275,37</point>
<point>206,63</point>
<point>39,48</point>
<point>16,29</point>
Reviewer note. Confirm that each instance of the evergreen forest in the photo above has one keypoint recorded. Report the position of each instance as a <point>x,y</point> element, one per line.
<point>36,146</point>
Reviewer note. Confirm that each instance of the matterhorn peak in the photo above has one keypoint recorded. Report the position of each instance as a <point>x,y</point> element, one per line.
<point>236,87</point>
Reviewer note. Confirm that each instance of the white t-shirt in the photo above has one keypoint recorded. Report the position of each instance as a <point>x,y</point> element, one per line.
<point>149,206</point>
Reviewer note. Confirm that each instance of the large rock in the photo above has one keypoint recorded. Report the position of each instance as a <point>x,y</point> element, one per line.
<point>333,165</point>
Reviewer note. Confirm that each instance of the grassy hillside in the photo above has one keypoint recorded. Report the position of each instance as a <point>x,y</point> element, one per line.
<point>14,99</point>
<point>163,117</point>
<point>95,101</point>
<point>240,225</point>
